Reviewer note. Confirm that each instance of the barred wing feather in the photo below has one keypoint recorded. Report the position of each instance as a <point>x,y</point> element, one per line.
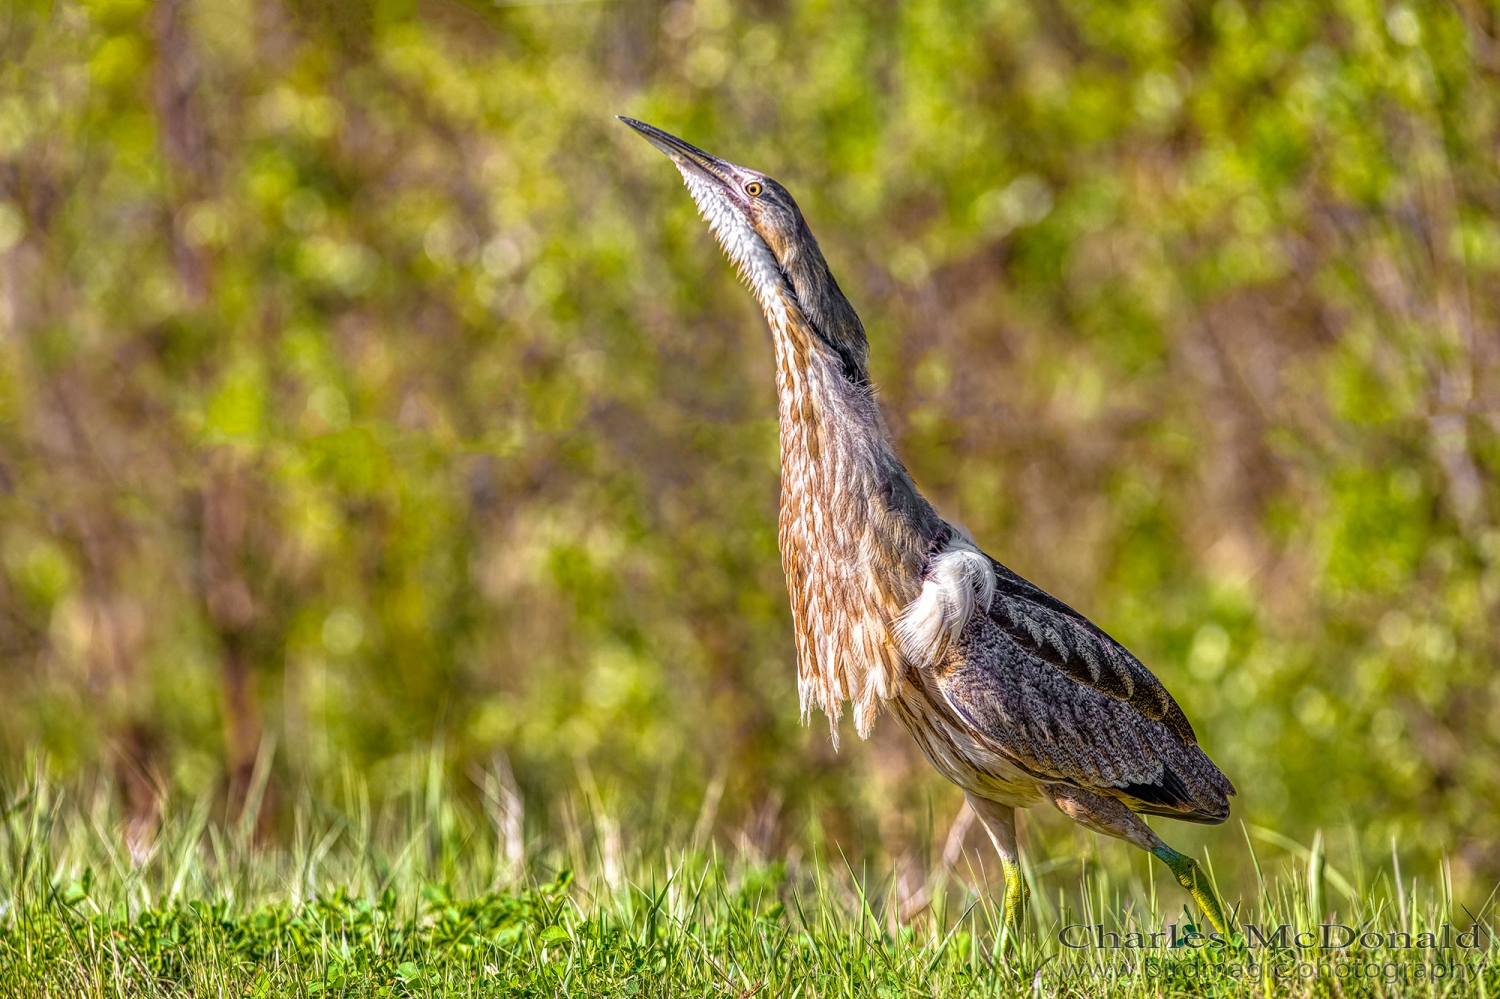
<point>1050,690</point>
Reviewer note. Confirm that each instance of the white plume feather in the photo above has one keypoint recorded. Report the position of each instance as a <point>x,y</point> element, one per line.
<point>958,579</point>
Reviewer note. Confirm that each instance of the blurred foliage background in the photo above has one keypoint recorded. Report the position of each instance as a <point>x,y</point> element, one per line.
<point>364,387</point>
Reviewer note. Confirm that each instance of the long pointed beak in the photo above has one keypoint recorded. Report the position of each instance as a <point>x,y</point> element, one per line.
<point>685,154</point>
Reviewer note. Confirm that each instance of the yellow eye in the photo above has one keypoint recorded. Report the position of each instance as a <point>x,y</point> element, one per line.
<point>753,189</point>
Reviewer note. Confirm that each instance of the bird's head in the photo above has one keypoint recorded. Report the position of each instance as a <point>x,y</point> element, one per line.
<point>762,231</point>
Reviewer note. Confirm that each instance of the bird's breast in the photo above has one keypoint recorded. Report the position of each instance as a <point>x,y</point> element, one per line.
<point>852,562</point>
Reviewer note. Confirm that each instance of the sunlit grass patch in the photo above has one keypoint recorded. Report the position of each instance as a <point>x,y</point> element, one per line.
<point>427,901</point>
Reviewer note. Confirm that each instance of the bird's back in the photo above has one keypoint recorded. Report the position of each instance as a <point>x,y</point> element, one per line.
<point>1033,693</point>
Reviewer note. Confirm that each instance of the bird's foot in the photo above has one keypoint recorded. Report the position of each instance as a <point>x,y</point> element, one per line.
<point>1017,897</point>
<point>1191,877</point>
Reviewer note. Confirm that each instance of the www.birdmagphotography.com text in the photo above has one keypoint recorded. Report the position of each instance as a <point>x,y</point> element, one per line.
<point>1272,969</point>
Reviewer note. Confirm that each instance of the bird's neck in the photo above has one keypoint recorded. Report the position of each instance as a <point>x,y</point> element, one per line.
<point>822,306</point>
<point>854,531</point>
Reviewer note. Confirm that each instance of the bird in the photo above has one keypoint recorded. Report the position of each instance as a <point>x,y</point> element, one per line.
<point>1009,693</point>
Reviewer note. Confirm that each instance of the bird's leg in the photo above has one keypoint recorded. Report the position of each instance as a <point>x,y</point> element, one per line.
<point>1110,816</point>
<point>1191,877</point>
<point>1000,822</point>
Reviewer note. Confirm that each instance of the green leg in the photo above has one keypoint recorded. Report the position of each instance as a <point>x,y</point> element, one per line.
<point>1191,877</point>
<point>1000,822</point>
<point>1017,897</point>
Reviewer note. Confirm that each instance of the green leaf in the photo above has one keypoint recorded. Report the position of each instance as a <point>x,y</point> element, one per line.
<point>554,935</point>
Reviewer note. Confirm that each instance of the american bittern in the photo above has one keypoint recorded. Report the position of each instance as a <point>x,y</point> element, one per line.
<point>1010,693</point>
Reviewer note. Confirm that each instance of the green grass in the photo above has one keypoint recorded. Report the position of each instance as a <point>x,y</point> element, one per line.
<point>423,898</point>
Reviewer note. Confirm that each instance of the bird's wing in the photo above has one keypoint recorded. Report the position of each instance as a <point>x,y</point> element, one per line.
<point>1049,689</point>
<point>1051,630</point>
